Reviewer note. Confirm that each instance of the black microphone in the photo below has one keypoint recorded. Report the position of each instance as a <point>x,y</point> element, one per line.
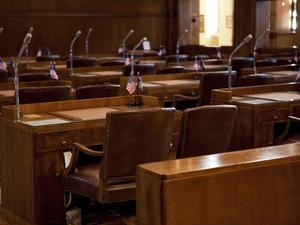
<point>132,54</point>
<point>246,40</point>
<point>255,48</point>
<point>124,42</point>
<point>180,40</point>
<point>26,42</point>
<point>77,34</point>
<point>87,41</point>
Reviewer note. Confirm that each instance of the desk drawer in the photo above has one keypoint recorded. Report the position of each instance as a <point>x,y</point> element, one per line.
<point>64,140</point>
<point>272,115</point>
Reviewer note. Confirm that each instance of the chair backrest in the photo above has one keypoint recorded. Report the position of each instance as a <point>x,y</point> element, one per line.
<point>170,69</point>
<point>256,79</point>
<point>206,130</point>
<point>44,58</point>
<point>44,94</point>
<point>98,91</point>
<point>27,77</point>
<point>133,138</point>
<point>213,80</point>
<point>142,69</point>
<point>82,62</point>
<point>3,76</point>
<point>174,58</point>
<point>238,63</point>
<point>112,62</point>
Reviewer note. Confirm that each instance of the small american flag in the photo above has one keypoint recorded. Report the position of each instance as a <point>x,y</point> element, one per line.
<point>52,73</point>
<point>39,53</point>
<point>3,65</point>
<point>131,85</point>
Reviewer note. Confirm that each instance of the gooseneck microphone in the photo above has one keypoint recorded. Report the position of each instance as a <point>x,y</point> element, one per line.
<point>179,42</point>
<point>132,54</point>
<point>26,42</point>
<point>255,48</point>
<point>87,41</point>
<point>26,48</point>
<point>124,42</point>
<point>77,34</point>
<point>246,40</point>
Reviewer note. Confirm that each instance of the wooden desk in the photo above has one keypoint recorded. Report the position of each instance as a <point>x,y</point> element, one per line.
<point>165,86</point>
<point>96,77</point>
<point>253,187</point>
<point>32,153</point>
<point>261,111</point>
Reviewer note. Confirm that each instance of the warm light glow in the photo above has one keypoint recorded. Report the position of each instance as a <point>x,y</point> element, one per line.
<point>212,17</point>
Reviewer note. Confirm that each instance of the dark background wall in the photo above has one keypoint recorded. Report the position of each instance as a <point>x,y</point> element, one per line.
<point>56,21</point>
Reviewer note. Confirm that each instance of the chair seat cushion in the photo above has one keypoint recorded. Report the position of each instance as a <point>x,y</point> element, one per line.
<point>84,181</point>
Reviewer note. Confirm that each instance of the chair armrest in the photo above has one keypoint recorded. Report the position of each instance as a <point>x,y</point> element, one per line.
<point>86,150</point>
<point>280,138</point>
<point>76,148</point>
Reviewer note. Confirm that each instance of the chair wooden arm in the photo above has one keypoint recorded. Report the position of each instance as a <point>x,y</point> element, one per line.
<point>76,148</point>
<point>286,131</point>
<point>86,150</point>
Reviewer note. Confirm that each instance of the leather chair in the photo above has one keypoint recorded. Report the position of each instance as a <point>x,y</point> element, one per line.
<point>27,77</point>
<point>98,91</point>
<point>131,138</point>
<point>82,62</point>
<point>44,58</point>
<point>173,58</point>
<point>206,130</point>
<point>238,63</point>
<point>208,82</point>
<point>3,76</point>
<point>170,69</point>
<point>142,69</point>
<point>44,94</point>
<point>256,79</point>
<point>112,62</point>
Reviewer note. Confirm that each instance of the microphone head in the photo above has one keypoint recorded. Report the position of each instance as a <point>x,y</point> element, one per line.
<point>248,38</point>
<point>186,30</point>
<point>30,30</point>
<point>268,29</point>
<point>91,29</point>
<point>144,39</point>
<point>1,29</point>
<point>27,39</point>
<point>78,33</point>
<point>131,31</point>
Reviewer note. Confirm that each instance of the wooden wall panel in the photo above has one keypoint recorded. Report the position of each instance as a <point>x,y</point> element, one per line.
<point>56,22</point>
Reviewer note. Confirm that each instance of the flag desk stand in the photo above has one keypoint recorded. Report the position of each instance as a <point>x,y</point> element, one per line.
<point>135,100</point>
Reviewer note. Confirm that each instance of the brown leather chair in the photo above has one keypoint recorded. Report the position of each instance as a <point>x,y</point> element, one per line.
<point>206,130</point>
<point>208,82</point>
<point>112,62</point>
<point>131,138</point>
<point>238,63</point>
<point>142,69</point>
<point>173,58</point>
<point>98,91</point>
<point>170,69</point>
<point>3,76</point>
<point>44,94</point>
<point>82,62</point>
<point>256,79</point>
<point>44,58</point>
<point>27,77</point>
